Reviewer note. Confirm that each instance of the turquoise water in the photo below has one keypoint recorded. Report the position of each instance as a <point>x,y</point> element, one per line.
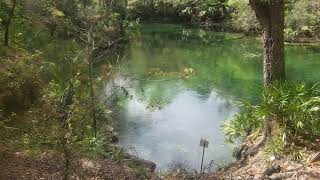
<point>183,84</point>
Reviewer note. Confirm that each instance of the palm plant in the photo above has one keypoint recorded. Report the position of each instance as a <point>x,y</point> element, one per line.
<point>294,108</point>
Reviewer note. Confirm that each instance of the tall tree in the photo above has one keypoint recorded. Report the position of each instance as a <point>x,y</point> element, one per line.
<point>6,17</point>
<point>270,14</point>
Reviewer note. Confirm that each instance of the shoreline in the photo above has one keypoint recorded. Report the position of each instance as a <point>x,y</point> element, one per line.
<point>225,28</point>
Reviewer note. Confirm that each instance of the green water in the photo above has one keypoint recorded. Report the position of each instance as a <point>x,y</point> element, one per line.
<point>170,109</point>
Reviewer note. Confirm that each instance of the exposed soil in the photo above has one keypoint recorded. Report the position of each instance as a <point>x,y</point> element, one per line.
<point>22,165</point>
<point>256,166</point>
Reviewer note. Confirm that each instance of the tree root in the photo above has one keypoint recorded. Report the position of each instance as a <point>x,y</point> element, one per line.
<point>269,171</point>
<point>254,149</point>
<point>285,175</point>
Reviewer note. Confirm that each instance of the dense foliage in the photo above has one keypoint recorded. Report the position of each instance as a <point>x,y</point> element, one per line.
<point>45,81</point>
<point>302,16</point>
<point>203,11</point>
<point>303,19</point>
<point>295,112</point>
<point>20,83</point>
<point>242,16</point>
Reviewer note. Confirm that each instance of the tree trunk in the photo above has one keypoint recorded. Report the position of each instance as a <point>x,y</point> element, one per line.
<point>271,17</point>
<point>270,14</point>
<point>7,24</point>
<point>64,108</point>
<point>93,108</point>
<point>90,49</point>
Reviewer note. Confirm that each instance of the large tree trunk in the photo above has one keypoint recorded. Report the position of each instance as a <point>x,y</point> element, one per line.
<point>8,23</point>
<point>270,14</point>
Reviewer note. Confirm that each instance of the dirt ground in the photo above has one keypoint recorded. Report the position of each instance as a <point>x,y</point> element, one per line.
<point>21,165</point>
<point>16,165</point>
<point>255,166</point>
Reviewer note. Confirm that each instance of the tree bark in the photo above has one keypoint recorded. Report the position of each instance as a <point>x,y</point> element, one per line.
<point>92,96</point>
<point>270,14</point>
<point>64,108</point>
<point>8,23</point>
<point>90,49</point>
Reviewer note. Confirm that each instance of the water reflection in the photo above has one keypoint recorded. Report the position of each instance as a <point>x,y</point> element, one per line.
<point>227,67</point>
<point>172,133</point>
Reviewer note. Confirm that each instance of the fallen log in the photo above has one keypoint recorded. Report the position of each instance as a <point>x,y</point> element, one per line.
<point>151,166</point>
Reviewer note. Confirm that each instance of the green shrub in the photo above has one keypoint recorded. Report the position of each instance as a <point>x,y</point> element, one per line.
<point>275,145</point>
<point>303,19</point>
<point>243,123</point>
<point>243,17</point>
<point>213,11</point>
<point>294,107</point>
<point>20,84</point>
